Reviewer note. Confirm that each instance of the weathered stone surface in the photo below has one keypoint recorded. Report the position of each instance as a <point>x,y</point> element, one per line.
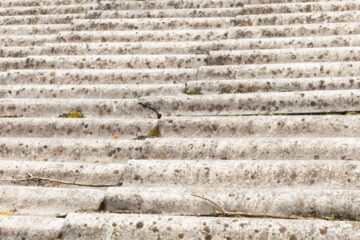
<point>124,226</point>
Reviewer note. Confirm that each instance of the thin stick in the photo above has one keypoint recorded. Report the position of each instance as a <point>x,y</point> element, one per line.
<point>224,212</point>
<point>38,179</point>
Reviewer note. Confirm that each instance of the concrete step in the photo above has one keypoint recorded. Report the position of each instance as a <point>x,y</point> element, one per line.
<point>143,35</point>
<point>107,151</point>
<point>123,48</point>
<point>290,42</point>
<point>169,4</point>
<point>286,1</point>
<point>281,202</point>
<point>291,55</point>
<point>144,226</point>
<point>77,128</point>
<point>98,76</point>
<point>102,91</point>
<point>280,70</point>
<point>48,201</point>
<point>42,10</point>
<point>302,7</point>
<point>29,107</point>
<point>60,174</point>
<point>165,13</point>
<point>296,30</point>
<point>30,3</point>
<point>260,126</point>
<point>24,40</point>
<point>31,227</point>
<point>115,61</point>
<point>152,24</point>
<point>37,29</point>
<point>19,51</point>
<point>39,19</point>
<point>297,18</point>
<point>12,63</point>
<point>271,85</point>
<point>256,103</point>
<point>243,173</point>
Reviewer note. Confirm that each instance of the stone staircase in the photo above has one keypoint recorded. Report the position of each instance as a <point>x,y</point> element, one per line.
<point>180,119</point>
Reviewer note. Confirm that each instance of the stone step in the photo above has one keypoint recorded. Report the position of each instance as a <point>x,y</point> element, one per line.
<point>173,47</point>
<point>39,19</point>
<point>165,13</point>
<point>152,24</point>
<point>48,201</point>
<point>287,55</point>
<point>285,1</point>
<point>102,91</point>
<point>63,174</point>
<point>298,18</point>
<point>12,63</point>
<point>280,70</point>
<point>346,5</point>
<point>31,227</point>
<point>43,10</point>
<point>145,226</point>
<point>115,61</point>
<point>37,29</point>
<point>123,48</point>
<point>23,41</point>
<point>260,126</point>
<point>243,174</point>
<point>40,3</point>
<point>281,202</point>
<point>107,151</point>
<point>115,128</point>
<point>30,107</point>
<point>169,4</point>
<point>290,42</point>
<point>143,35</point>
<point>98,76</point>
<point>271,85</point>
<point>256,103</point>
<point>295,30</point>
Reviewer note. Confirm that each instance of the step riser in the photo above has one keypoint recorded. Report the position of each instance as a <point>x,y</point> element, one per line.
<point>77,173</point>
<point>90,91</point>
<point>141,36</point>
<point>31,227</point>
<point>146,5</point>
<point>76,128</point>
<point>191,149</point>
<point>43,10</point>
<point>116,61</point>
<point>261,126</point>
<point>279,202</point>
<point>29,3</point>
<point>33,29</point>
<point>296,42</point>
<point>284,56</point>
<point>271,85</point>
<point>100,226</point>
<point>257,103</point>
<point>166,13</point>
<point>99,76</point>
<point>294,30</point>
<point>270,71</point>
<point>152,24</point>
<point>89,107</point>
<point>25,40</point>
<point>298,18</point>
<point>62,19</point>
<point>48,201</point>
<point>304,7</point>
<point>251,173</point>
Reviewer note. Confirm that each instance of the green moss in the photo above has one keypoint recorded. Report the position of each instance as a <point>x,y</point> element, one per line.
<point>153,133</point>
<point>11,116</point>
<point>72,115</point>
<point>194,92</point>
<point>331,217</point>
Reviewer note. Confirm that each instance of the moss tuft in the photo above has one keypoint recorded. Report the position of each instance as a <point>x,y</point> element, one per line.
<point>72,115</point>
